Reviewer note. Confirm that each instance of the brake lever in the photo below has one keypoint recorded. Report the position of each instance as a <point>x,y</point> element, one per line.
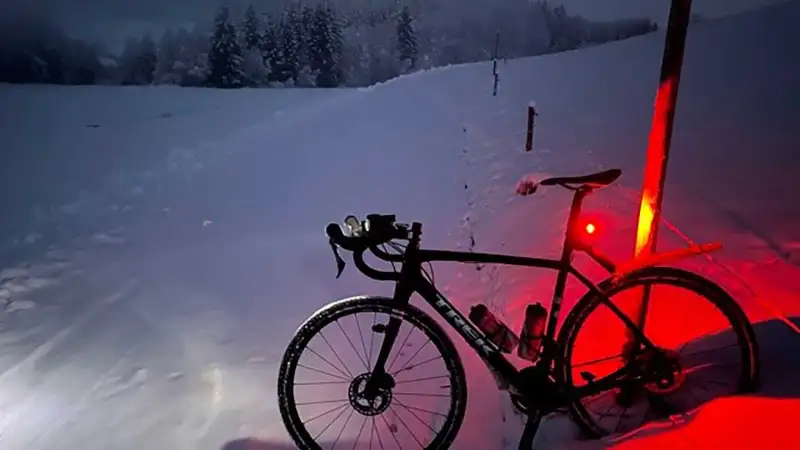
<point>340,264</point>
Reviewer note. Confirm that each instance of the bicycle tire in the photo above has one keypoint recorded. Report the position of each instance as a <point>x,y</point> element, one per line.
<point>342,308</point>
<point>749,378</point>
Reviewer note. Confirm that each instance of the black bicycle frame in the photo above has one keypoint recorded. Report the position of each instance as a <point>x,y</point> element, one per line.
<point>411,280</point>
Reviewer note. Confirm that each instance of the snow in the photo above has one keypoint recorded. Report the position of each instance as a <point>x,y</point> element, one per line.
<point>179,232</point>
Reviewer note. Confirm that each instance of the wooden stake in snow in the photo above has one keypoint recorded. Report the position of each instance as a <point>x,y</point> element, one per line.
<point>531,117</point>
<point>494,63</point>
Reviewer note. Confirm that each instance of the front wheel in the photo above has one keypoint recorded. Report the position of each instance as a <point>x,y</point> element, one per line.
<point>322,397</point>
<point>664,381</point>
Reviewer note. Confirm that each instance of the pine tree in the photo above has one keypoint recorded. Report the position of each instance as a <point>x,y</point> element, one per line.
<point>290,45</point>
<point>138,61</point>
<point>406,39</point>
<point>225,58</point>
<point>325,48</point>
<point>167,56</point>
<point>270,49</point>
<point>148,59</point>
<point>304,30</point>
<point>252,29</point>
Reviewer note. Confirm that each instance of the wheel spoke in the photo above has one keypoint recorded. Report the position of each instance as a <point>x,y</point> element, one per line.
<point>360,430</point>
<point>322,402</point>
<point>335,353</point>
<point>344,372</point>
<point>422,379</point>
<point>329,425</point>
<point>344,380</point>
<point>339,436</point>
<point>414,366</point>
<point>403,422</point>
<point>352,345</point>
<point>400,349</point>
<point>420,395</point>
<point>372,337</point>
<point>408,362</point>
<point>596,361</point>
<point>320,383</point>
<point>363,344</point>
<point>391,432</point>
<point>377,434</point>
<point>344,405</point>
<point>420,410</point>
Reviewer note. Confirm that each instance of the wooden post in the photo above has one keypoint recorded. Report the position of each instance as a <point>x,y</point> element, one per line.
<point>532,113</point>
<point>660,139</point>
<point>494,63</point>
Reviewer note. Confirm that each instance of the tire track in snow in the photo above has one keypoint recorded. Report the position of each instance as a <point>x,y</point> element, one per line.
<point>22,391</point>
<point>26,365</point>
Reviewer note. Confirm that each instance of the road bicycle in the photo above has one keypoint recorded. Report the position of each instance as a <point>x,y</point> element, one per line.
<point>545,385</point>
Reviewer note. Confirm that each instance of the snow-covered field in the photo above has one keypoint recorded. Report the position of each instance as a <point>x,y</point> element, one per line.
<point>178,242</point>
<point>71,154</point>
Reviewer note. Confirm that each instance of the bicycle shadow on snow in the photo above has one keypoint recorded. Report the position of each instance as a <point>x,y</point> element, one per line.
<point>740,421</point>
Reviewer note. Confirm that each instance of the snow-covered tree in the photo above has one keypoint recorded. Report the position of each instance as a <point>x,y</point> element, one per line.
<point>325,48</point>
<point>148,59</point>
<point>368,42</point>
<point>251,29</point>
<point>254,69</point>
<point>225,58</point>
<point>290,43</point>
<point>168,51</point>
<point>406,39</point>
<point>271,50</point>
<point>138,61</point>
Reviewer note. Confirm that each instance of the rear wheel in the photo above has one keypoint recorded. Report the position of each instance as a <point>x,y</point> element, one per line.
<point>664,380</point>
<point>337,413</point>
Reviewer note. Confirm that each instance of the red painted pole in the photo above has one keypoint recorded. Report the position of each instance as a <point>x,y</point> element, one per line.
<point>655,170</point>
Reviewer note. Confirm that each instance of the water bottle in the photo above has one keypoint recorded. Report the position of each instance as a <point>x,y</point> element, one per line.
<point>495,330</point>
<point>532,335</point>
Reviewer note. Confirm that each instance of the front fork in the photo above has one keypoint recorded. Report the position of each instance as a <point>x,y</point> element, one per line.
<point>380,378</point>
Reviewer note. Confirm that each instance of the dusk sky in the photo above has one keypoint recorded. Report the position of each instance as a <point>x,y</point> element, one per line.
<point>111,20</point>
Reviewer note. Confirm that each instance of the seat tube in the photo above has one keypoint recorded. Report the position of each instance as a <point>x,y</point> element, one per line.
<point>566,259</point>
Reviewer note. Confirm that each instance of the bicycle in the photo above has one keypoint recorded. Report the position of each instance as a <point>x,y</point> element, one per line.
<point>547,384</point>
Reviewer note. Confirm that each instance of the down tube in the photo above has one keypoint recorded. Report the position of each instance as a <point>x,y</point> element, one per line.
<point>477,340</point>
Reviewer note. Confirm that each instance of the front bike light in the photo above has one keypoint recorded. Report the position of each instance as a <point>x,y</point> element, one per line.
<point>353,226</point>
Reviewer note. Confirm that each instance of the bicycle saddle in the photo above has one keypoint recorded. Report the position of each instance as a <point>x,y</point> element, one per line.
<point>594,180</point>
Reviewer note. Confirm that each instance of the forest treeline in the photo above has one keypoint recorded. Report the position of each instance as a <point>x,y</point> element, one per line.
<point>308,45</point>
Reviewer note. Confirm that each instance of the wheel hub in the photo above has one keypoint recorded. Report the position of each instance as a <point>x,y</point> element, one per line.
<point>666,374</point>
<point>370,405</point>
